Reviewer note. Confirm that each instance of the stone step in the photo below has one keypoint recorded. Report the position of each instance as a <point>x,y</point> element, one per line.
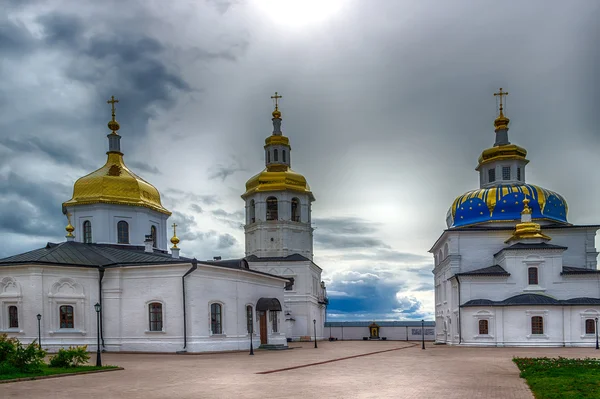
<point>272,347</point>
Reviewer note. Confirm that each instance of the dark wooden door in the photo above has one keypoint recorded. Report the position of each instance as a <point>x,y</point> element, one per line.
<point>263,328</point>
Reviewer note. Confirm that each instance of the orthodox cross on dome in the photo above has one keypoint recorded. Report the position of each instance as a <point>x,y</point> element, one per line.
<point>276,97</point>
<point>501,94</point>
<point>174,239</point>
<point>69,227</point>
<point>113,124</point>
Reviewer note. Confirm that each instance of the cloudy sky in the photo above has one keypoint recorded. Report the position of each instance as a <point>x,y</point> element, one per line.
<point>388,104</point>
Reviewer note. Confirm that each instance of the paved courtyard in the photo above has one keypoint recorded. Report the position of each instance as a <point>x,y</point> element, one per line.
<point>400,370</point>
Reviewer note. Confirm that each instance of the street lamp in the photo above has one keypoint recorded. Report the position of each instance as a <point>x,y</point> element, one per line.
<point>597,347</point>
<point>39,317</point>
<point>98,355</point>
<point>315,324</point>
<point>251,333</point>
<point>422,334</point>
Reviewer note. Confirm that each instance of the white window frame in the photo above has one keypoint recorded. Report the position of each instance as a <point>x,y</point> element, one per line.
<point>484,315</point>
<point>537,263</point>
<point>222,334</point>
<point>77,300</point>
<point>164,318</point>
<point>529,315</point>
<point>7,299</point>
<point>589,314</point>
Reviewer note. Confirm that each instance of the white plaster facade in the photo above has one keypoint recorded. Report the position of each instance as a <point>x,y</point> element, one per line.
<point>127,293</point>
<point>105,217</point>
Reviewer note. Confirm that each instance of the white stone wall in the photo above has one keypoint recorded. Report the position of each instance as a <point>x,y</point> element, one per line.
<point>302,301</point>
<point>127,293</point>
<point>104,219</point>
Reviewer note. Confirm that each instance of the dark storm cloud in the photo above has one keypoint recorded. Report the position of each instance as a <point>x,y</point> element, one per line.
<point>196,208</point>
<point>223,172</point>
<point>177,195</point>
<point>61,153</point>
<point>226,241</point>
<point>366,294</point>
<point>32,208</point>
<point>345,233</point>
<point>232,219</point>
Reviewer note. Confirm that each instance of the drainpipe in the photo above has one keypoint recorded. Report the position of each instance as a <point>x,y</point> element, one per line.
<point>194,267</point>
<point>459,324</point>
<point>100,277</point>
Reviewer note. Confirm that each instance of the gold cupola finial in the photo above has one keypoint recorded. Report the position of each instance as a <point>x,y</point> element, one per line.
<point>527,229</point>
<point>276,113</point>
<point>70,229</point>
<point>113,124</point>
<point>174,239</point>
<point>501,121</point>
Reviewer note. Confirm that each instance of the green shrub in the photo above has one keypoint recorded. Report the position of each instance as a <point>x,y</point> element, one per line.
<point>72,357</point>
<point>7,347</point>
<point>27,358</point>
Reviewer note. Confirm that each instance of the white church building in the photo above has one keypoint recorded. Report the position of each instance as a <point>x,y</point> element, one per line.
<point>510,270</point>
<point>116,254</point>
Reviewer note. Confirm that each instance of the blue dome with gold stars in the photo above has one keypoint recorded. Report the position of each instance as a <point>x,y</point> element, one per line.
<point>504,203</point>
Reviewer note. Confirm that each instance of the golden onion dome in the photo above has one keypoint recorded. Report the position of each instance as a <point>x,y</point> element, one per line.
<point>277,178</point>
<point>174,241</point>
<point>276,113</point>
<point>501,122</point>
<point>114,183</point>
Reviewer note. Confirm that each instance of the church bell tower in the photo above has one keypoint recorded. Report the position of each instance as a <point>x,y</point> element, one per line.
<point>278,202</point>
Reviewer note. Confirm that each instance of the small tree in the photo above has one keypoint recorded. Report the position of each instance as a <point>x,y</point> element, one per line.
<point>27,358</point>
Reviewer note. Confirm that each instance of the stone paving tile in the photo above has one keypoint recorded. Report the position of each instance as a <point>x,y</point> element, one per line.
<point>437,372</point>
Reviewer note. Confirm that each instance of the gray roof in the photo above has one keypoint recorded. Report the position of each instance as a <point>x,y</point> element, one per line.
<point>495,270</point>
<point>76,254</point>
<point>578,270</point>
<point>532,299</point>
<point>521,245</point>
<point>398,323</point>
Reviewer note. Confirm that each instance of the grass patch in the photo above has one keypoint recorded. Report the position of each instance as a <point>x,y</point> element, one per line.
<point>561,378</point>
<point>46,370</point>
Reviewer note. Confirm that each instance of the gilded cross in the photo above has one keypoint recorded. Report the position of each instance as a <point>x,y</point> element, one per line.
<point>276,97</point>
<point>112,102</point>
<point>174,225</point>
<point>501,94</point>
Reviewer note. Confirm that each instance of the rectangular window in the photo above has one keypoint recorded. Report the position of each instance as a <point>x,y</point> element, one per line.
<point>492,175</point>
<point>249,319</point>
<point>274,321</point>
<point>518,173</point>
<point>537,325</point>
<point>590,326</point>
<point>66,317</point>
<point>532,274</point>
<point>215,318</point>
<point>13,317</point>
<point>506,173</point>
<point>156,321</point>
<point>483,327</point>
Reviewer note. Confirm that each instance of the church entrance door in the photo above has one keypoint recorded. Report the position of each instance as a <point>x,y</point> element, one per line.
<point>263,328</point>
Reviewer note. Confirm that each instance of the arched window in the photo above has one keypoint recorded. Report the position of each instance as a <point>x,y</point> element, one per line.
<point>590,326</point>
<point>153,235</point>
<point>283,155</point>
<point>87,232</point>
<point>537,325</point>
<point>155,314</point>
<point>268,156</point>
<point>532,275</point>
<point>252,211</point>
<point>66,316</point>
<point>275,157</point>
<point>13,317</point>
<point>295,210</point>
<point>123,232</point>
<point>249,319</point>
<point>272,208</point>
<point>215,319</point>
<point>483,327</point>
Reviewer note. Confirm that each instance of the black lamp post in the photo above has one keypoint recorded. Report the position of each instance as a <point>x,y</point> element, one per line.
<point>422,334</point>
<point>39,317</point>
<point>251,333</point>
<point>315,324</point>
<point>98,355</point>
<point>597,347</point>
